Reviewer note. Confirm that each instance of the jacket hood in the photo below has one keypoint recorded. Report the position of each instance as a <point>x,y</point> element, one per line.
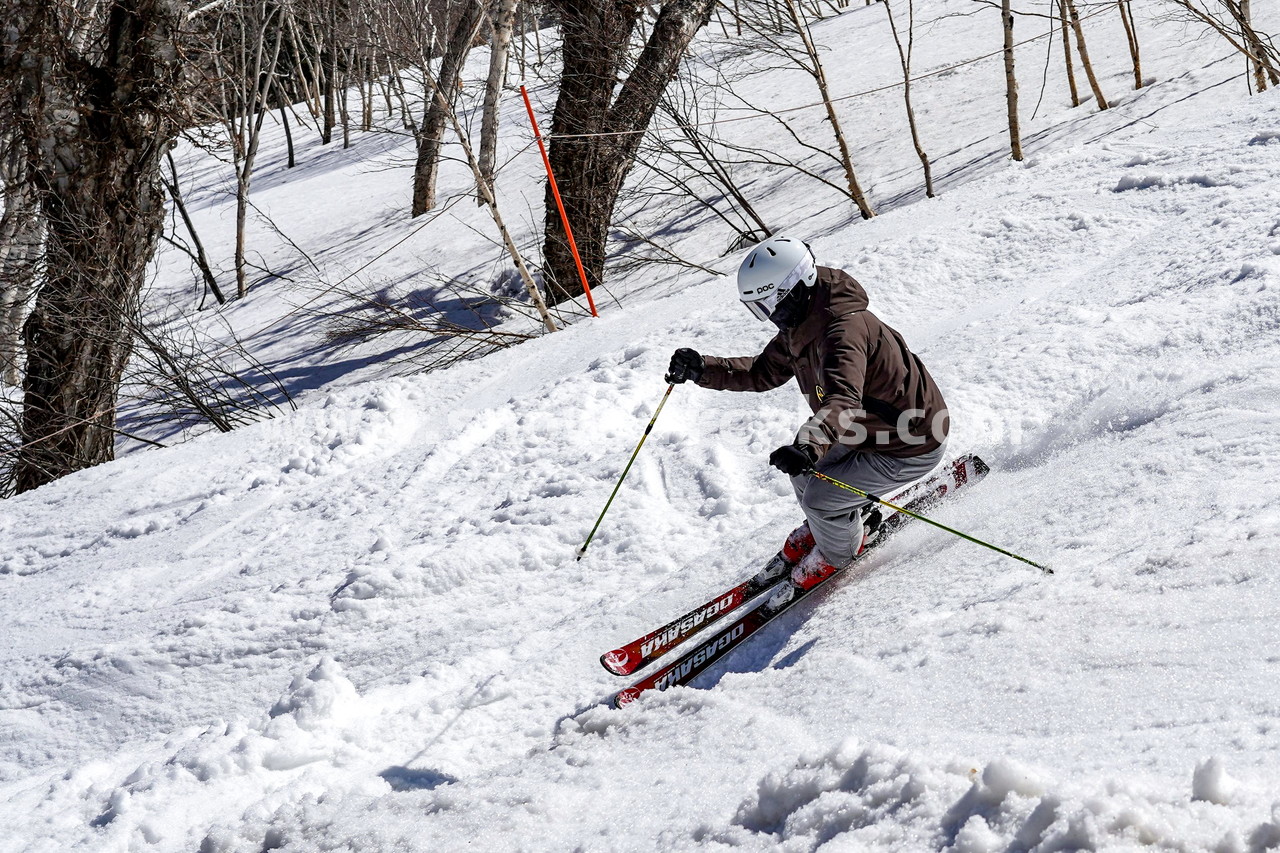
<point>845,294</point>
<point>836,294</point>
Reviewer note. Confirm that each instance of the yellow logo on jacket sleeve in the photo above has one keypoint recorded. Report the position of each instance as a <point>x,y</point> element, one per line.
<point>817,389</point>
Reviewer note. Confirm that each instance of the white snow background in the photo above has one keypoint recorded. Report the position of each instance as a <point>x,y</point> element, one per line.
<point>360,626</point>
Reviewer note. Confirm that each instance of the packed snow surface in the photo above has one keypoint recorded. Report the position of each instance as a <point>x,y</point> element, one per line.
<point>360,626</point>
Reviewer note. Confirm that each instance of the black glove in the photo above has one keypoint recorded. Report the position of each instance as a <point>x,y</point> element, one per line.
<point>793,459</point>
<point>686,365</point>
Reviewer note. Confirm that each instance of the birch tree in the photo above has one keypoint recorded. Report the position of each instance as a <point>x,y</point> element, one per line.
<point>447,80</point>
<point>21,234</point>
<point>1083,49</point>
<point>502,14</point>
<point>1066,53</point>
<point>1010,81</point>
<point>1131,36</point>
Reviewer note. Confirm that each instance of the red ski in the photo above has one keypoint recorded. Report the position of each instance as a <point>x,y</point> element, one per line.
<point>625,660</point>
<point>918,498</point>
<point>640,652</point>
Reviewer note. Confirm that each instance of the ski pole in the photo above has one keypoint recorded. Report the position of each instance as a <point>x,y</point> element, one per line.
<point>883,502</point>
<point>636,453</point>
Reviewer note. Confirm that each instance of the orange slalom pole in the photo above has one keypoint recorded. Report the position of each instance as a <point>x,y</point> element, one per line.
<point>555,191</point>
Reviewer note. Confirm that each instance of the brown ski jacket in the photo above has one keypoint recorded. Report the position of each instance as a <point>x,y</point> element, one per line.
<point>867,390</point>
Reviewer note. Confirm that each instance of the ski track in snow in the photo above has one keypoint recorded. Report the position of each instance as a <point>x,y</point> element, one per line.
<point>360,626</point>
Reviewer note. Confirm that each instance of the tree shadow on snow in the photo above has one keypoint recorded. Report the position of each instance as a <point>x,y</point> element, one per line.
<point>318,373</point>
<point>410,779</point>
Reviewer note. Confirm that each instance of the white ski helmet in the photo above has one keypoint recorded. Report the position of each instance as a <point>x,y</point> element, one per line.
<point>772,270</point>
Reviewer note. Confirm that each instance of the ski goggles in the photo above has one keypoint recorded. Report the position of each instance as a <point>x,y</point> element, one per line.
<point>763,308</point>
<point>766,306</point>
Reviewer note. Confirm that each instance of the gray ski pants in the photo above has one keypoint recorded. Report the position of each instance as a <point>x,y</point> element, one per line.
<point>835,514</point>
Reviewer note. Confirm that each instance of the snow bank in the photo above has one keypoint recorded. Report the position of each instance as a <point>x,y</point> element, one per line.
<point>876,797</point>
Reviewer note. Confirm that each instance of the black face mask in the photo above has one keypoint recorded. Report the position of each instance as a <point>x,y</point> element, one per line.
<point>792,308</point>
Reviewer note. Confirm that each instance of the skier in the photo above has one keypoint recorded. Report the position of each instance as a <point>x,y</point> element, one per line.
<point>879,421</point>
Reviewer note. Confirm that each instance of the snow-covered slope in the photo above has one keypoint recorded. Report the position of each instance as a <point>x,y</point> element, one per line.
<point>361,626</point>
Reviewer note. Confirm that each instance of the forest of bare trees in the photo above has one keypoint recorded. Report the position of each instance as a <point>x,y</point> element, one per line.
<point>94,94</point>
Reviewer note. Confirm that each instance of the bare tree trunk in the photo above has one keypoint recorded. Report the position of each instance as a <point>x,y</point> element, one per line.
<point>819,75</point>
<point>590,168</point>
<point>1066,54</point>
<point>315,103</point>
<point>1131,34</point>
<point>329,66</point>
<point>1083,50</point>
<point>20,241</point>
<point>904,57</point>
<point>1259,80</point>
<point>247,92</point>
<point>524,41</point>
<point>366,98</point>
<point>306,59</point>
<point>288,135</point>
<point>1010,81</point>
<point>433,123</point>
<point>242,218</point>
<point>1245,16</point>
<point>406,114</point>
<point>202,260</point>
<point>94,159</point>
<point>384,86</point>
<point>344,111</point>
<point>537,38</point>
<point>503,16</point>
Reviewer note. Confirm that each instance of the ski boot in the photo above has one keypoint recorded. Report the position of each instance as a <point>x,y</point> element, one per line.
<point>798,544</point>
<point>871,523</point>
<point>812,570</point>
